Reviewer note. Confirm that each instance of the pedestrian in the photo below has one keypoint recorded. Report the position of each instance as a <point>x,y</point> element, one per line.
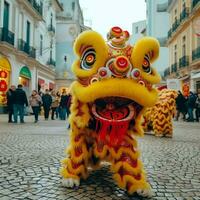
<point>191,105</point>
<point>35,100</point>
<point>46,100</point>
<point>20,100</point>
<point>10,101</point>
<point>54,104</point>
<point>58,108</point>
<point>180,105</point>
<point>64,105</point>
<point>197,107</point>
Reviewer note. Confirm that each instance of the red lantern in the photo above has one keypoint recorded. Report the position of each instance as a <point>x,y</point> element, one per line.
<point>3,74</point>
<point>3,86</point>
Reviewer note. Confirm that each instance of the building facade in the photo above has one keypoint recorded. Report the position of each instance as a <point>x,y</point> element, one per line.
<point>184,44</point>
<point>27,45</point>
<point>138,30</point>
<point>158,26</point>
<point>70,24</point>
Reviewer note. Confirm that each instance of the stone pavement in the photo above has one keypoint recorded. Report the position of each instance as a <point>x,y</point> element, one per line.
<point>30,155</point>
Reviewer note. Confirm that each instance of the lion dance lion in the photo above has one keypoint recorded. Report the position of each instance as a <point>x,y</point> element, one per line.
<point>114,85</point>
<point>159,117</point>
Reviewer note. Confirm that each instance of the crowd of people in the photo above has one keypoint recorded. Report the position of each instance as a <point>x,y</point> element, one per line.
<point>49,103</point>
<point>189,107</point>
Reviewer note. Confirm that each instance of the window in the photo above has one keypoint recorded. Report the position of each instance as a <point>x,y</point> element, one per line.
<point>183,46</point>
<point>41,44</point>
<point>6,15</point>
<point>175,53</point>
<point>28,27</point>
<point>51,20</point>
<point>136,29</point>
<point>73,6</point>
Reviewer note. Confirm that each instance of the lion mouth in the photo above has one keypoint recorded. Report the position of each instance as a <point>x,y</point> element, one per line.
<point>114,116</point>
<point>115,109</point>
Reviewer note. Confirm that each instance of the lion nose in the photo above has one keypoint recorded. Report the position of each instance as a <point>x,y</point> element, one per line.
<point>121,64</point>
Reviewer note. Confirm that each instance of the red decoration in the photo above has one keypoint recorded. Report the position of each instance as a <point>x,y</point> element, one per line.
<point>103,73</point>
<point>3,74</point>
<point>122,62</point>
<point>3,86</point>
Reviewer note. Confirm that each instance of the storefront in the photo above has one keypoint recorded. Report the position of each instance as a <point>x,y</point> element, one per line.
<point>25,79</point>
<point>44,84</point>
<point>5,70</point>
<point>196,81</point>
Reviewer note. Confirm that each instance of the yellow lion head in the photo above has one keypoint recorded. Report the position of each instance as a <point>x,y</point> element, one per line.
<point>114,79</point>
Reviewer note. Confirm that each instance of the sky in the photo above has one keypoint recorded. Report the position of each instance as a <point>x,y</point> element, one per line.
<point>101,15</point>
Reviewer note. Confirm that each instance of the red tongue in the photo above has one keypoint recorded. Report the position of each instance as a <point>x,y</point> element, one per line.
<point>112,133</point>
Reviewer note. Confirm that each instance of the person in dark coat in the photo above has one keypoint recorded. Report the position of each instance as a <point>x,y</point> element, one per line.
<point>180,105</point>
<point>64,105</point>
<point>47,101</point>
<point>10,101</point>
<point>191,105</point>
<point>20,100</point>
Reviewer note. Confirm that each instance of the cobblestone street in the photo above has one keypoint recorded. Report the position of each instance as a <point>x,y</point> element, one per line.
<point>31,153</point>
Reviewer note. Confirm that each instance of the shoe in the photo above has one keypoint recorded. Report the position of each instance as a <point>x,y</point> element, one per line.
<point>22,122</point>
<point>10,121</point>
<point>35,121</point>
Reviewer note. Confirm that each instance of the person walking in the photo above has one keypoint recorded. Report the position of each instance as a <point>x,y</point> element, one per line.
<point>20,100</point>
<point>64,105</point>
<point>58,108</point>
<point>54,104</point>
<point>46,100</point>
<point>197,107</point>
<point>180,105</point>
<point>35,100</point>
<point>191,105</point>
<point>10,101</point>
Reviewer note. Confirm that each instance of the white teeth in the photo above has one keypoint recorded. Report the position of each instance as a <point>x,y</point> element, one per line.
<point>70,182</point>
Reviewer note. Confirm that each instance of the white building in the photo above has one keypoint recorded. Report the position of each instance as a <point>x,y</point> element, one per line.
<point>158,26</point>
<point>70,24</point>
<point>138,29</point>
<point>27,44</point>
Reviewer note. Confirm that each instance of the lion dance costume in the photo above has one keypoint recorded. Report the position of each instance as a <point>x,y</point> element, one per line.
<point>159,117</point>
<point>113,87</point>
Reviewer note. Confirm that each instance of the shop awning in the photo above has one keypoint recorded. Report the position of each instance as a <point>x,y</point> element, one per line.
<point>195,76</point>
<point>25,72</point>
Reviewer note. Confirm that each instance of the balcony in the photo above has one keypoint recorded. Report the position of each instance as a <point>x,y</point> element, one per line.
<point>196,54</point>
<point>167,72</point>
<point>184,61</point>
<point>51,29</point>
<point>23,46</point>
<point>184,14</point>
<point>51,62</point>
<point>38,7</point>
<point>33,7</point>
<point>174,67</point>
<point>194,3</point>
<point>175,26</point>
<point>169,33</point>
<point>7,36</point>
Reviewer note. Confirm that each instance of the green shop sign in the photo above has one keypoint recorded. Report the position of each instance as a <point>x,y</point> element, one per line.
<point>25,72</point>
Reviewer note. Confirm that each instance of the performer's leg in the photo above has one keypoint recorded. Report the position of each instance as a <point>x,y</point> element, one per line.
<point>128,170</point>
<point>74,166</point>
